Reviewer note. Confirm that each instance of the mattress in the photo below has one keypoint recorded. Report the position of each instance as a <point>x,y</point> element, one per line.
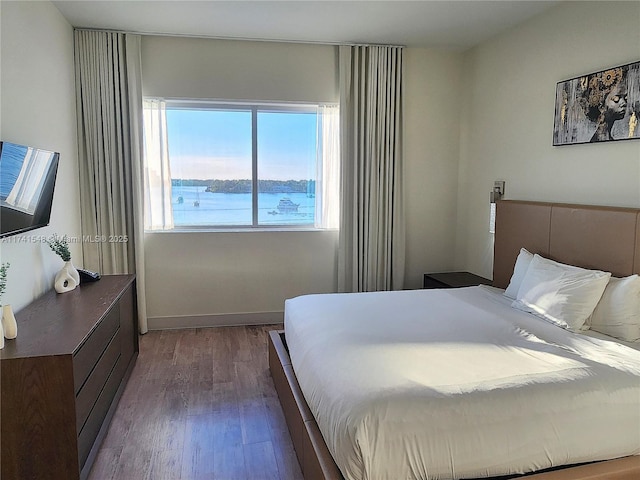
<point>454,383</point>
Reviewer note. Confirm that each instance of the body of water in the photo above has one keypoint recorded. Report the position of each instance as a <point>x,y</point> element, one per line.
<point>234,209</point>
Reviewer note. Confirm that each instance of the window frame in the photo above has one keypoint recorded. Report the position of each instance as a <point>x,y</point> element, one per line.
<point>254,107</point>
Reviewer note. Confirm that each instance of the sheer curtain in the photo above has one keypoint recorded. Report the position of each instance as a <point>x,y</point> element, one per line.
<point>328,175</point>
<point>371,245</point>
<point>109,103</point>
<point>158,213</point>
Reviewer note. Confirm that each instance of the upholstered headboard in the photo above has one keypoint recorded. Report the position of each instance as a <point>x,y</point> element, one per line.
<point>603,238</point>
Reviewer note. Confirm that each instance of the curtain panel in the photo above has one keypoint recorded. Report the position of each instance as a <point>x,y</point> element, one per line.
<point>158,212</point>
<point>328,161</point>
<point>109,103</point>
<point>371,244</point>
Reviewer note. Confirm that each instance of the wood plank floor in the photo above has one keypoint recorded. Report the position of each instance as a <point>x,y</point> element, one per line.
<point>200,404</point>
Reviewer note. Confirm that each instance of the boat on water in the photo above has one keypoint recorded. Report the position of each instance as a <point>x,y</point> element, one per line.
<point>286,206</point>
<point>180,199</point>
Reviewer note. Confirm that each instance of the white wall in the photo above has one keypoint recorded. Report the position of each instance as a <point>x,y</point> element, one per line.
<point>38,109</point>
<point>195,277</point>
<point>507,120</point>
<point>431,141</point>
<point>213,278</point>
<point>240,70</point>
<point>199,279</point>
<point>470,119</point>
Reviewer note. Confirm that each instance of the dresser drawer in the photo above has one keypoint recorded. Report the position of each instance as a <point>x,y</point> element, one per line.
<point>90,351</point>
<point>94,421</point>
<point>89,392</point>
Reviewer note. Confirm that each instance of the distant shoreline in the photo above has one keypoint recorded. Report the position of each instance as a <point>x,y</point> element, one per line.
<point>245,185</point>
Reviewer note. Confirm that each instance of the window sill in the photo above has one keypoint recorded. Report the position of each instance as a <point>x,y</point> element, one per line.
<point>241,230</point>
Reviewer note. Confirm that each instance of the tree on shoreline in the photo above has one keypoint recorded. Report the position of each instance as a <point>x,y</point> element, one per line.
<point>245,185</point>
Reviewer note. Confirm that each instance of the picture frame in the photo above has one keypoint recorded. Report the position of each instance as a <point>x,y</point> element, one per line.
<point>598,107</point>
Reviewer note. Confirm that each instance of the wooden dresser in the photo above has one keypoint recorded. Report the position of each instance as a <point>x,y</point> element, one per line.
<point>62,377</point>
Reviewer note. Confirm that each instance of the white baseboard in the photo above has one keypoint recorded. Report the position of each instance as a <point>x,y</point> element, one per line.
<point>216,320</point>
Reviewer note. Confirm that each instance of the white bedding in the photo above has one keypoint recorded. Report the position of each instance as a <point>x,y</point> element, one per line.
<point>454,383</point>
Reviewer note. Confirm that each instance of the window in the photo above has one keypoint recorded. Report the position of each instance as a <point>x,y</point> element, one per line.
<point>212,164</point>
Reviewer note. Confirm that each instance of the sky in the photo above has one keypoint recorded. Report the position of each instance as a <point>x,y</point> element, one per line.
<point>206,144</point>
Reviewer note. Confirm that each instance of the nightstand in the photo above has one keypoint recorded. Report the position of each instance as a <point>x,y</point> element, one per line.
<point>453,280</point>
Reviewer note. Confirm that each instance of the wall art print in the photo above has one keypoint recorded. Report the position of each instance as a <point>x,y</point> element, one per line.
<point>599,107</point>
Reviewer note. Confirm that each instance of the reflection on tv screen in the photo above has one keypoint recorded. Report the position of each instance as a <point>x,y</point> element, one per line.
<point>27,179</point>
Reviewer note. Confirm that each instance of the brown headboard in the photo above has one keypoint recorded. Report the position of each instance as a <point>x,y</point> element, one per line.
<point>603,238</point>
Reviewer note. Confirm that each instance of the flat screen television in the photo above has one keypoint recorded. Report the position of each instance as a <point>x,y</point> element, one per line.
<point>27,181</point>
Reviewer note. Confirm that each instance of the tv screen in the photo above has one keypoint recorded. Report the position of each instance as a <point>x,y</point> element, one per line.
<point>27,180</point>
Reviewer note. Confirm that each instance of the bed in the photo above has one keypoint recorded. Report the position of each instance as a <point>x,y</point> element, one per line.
<point>577,394</point>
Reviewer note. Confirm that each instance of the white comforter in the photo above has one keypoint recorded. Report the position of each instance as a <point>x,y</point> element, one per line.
<point>440,384</point>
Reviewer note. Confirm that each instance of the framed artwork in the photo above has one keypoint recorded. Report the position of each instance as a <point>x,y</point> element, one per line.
<point>598,107</point>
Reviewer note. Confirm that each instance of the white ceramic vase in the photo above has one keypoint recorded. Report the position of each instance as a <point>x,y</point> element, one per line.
<point>1,337</point>
<point>9,324</point>
<point>67,279</point>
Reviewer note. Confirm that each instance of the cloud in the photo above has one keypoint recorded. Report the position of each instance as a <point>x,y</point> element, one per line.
<point>204,168</point>
<point>236,167</point>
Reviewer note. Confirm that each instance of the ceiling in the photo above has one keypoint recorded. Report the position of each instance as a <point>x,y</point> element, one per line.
<point>454,24</point>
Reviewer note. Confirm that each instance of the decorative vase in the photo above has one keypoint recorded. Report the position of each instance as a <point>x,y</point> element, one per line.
<point>9,324</point>
<point>1,337</point>
<point>67,279</point>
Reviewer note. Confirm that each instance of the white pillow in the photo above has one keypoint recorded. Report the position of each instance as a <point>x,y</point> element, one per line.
<point>618,312</point>
<point>561,294</point>
<point>519,271</point>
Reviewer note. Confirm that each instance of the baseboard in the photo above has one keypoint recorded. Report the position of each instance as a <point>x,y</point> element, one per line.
<point>216,320</point>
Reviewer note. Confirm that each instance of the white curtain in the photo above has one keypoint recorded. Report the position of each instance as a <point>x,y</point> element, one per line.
<point>158,213</point>
<point>109,103</point>
<point>371,245</point>
<point>328,163</point>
